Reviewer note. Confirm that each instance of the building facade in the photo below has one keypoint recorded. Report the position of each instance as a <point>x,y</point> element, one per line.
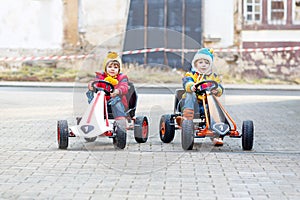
<point>66,27</point>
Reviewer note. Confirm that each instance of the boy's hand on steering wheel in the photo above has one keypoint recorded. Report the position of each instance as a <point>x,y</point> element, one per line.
<point>215,92</point>
<point>193,88</point>
<point>90,87</point>
<point>115,93</point>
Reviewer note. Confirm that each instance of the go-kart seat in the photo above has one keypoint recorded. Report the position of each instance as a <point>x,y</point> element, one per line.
<point>131,97</point>
<point>178,100</point>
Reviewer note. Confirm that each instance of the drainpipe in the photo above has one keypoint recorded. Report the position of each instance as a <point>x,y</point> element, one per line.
<point>201,23</point>
<point>165,32</point>
<point>183,33</point>
<point>145,29</point>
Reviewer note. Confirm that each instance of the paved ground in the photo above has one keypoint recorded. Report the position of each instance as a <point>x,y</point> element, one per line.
<point>33,168</point>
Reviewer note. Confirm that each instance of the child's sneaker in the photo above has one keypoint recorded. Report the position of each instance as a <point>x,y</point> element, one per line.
<point>218,141</point>
<point>179,120</point>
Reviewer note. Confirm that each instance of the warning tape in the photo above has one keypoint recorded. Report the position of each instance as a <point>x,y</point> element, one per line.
<point>295,48</point>
<point>33,58</point>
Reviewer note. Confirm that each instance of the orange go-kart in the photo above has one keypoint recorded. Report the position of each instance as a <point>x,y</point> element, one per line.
<point>214,123</point>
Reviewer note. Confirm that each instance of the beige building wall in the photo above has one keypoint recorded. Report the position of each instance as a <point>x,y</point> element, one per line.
<point>54,25</point>
<point>103,22</point>
<point>31,24</point>
<point>70,21</point>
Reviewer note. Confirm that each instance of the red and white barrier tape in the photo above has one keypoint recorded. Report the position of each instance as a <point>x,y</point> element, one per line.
<point>33,58</point>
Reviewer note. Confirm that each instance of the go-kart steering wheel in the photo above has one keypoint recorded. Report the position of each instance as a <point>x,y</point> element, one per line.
<point>96,88</point>
<point>207,85</point>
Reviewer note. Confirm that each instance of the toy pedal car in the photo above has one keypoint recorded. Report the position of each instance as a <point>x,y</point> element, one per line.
<point>215,123</point>
<point>98,120</point>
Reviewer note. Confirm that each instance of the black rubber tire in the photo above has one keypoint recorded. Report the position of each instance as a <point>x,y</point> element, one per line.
<point>187,134</point>
<point>247,135</point>
<point>166,128</point>
<point>92,139</point>
<point>119,140</point>
<point>62,134</point>
<point>141,129</point>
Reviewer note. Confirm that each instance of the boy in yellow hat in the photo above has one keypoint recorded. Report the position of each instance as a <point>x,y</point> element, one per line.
<point>112,66</point>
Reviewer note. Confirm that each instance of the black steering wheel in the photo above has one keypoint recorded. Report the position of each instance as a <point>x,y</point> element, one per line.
<point>107,92</point>
<point>207,85</point>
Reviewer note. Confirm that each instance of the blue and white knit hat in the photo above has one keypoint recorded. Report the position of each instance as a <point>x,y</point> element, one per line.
<point>204,53</point>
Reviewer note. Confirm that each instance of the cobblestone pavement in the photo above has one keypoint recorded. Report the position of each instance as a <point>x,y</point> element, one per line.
<point>32,167</point>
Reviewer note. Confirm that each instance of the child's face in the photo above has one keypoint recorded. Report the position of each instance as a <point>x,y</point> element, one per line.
<point>113,68</point>
<point>202,66</point>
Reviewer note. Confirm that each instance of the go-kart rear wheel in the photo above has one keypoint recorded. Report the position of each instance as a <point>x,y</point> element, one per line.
<point>166,128</point>
<point>92,139</point>
<point>247,135</point>
<point>62,134</point>
<point>119,140</point>
<point>141,129</point>
<point>187,134</point>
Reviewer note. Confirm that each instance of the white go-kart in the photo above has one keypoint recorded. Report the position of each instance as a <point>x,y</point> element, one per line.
<point>98,120</point>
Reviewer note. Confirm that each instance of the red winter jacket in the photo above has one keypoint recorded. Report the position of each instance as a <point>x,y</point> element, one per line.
<point>122,86</point>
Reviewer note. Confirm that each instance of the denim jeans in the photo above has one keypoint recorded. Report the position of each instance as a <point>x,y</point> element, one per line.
<point>90,95</point>
<point>191,102</point>
<point>117,107</point>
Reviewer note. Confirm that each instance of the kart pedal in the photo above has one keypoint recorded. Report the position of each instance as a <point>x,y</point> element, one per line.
<point>201,134</point>
<point>235,134</point>
<point>71,134</point>
<point>108,133</point>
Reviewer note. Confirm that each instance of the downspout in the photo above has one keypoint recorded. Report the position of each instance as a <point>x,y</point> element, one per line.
<point>125,22</point>
<point>201,23</point>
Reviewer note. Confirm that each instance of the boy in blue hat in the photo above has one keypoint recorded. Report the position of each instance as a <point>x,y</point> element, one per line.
<point>201,70</point>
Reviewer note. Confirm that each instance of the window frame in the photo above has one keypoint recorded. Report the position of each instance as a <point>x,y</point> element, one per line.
<point>253,13</point>
<point>285,13</point>
<point>265,25</point>
<point>294,21</point>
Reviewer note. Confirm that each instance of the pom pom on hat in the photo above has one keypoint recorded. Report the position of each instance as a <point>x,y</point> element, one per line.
<point>112,56</point>
<point>204,53</point>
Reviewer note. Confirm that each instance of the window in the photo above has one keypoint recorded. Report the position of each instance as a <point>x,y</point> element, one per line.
<point>252,11</point>
<point>296,12</point>
<point>277,12</point>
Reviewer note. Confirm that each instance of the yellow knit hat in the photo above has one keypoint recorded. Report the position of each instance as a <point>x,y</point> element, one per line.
<point>112,56</point>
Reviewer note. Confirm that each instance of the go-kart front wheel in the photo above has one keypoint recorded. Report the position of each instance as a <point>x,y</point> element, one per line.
<point>119,140</point>
<point>166,128</point>
<point>247,135</point>
<point>141,129</point>
<point>187,134</point>
<point>62,134</point>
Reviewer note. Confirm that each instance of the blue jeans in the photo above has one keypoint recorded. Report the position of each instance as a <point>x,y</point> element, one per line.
<point>191,102</point>
<point>117,107</point>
